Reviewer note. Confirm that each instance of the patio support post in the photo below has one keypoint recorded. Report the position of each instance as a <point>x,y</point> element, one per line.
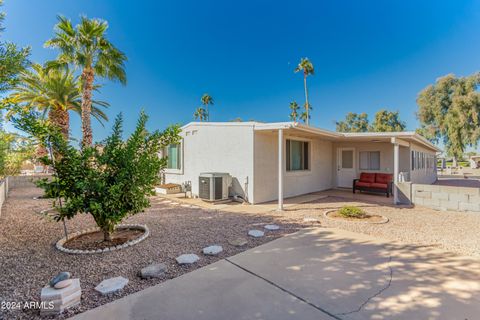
<point>280,169</point>
<point>396,171</point>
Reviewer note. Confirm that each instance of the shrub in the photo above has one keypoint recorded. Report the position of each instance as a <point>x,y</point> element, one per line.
<point>109,181</point>
<point>352,212</point>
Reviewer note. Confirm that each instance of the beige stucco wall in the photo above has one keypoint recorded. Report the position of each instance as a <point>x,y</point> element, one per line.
<point>386,156</point>
<point>317,178</point>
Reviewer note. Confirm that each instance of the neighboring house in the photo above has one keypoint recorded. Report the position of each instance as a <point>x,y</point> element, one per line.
<point>312,159</point>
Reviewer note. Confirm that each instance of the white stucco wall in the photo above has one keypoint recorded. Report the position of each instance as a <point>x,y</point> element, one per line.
<point>317,178</point>
<point>216,148</point>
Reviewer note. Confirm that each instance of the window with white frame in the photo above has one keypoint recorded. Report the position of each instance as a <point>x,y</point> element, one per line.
<point>174,156</point>
<point>369,160</point>
<point>297,155</point>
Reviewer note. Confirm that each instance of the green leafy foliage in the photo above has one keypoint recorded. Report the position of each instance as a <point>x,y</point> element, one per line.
<point>449,111</point>
<point>109,181</point>
<point>12,60</point>
<point>353,123</point>
<point>352,212</point>
<point>385,121</point>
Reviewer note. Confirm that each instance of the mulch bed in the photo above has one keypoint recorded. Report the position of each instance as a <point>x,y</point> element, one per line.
<point>95,240</point>
<point>29,259</point>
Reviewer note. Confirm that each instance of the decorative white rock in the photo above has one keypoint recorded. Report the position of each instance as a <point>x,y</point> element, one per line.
<point>272,227</point>
<point>111,285</point>
<point>256,233</point>
<point>156,270</point>
<point>310,219</point>
<point>212,250</point>
<point>187,258</point>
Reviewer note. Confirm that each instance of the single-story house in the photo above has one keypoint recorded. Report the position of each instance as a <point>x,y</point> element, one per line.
<point>270,161</point>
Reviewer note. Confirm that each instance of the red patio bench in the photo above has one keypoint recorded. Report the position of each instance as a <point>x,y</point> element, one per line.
<point>374,182</point>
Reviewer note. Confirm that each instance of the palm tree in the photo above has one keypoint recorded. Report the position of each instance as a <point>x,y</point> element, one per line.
<point>207,100</point>
<point>53,92</point>
<point>200,114</point>
<point>306,67</point>
<point>86,47</point>
<point>305,116</point>
<point>294,111</point>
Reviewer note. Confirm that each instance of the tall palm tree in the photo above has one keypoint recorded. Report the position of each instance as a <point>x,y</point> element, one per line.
<point>86,47</point>
<point>54,92</point>
<point>200,114</point>
<point>306,67</point>
<point>294,111</point>
<point>206,101</point>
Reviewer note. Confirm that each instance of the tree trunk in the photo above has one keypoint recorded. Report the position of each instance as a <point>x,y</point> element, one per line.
<point>307,106</point>
<point>454,162</point>
<point>87,78</point>
<point>107,236</point>
<point>60,118</point>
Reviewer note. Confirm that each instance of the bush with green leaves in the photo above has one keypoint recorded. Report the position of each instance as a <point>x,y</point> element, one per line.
<point>352,212</point>
<point>109,181</point>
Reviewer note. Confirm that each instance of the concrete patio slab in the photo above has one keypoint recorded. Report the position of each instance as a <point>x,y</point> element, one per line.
<point>355,276</point>
<point>316,273</point>
<point>218,291</point>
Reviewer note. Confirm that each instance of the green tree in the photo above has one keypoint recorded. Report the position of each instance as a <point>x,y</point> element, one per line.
<point>353,122</point>
<point>294,111</point>
<point>200,114</point>
<point>306,67</point>
<point>449,111</point>
<point>387,121</point>
<point>12,60</point>
<point>54,92</point>
<point>109,183</point>
<point>86,47</point>
<point>206,101</point>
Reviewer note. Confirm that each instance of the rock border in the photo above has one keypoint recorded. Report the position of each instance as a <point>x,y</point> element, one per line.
<point>383,221</point>
<point>61,242</point>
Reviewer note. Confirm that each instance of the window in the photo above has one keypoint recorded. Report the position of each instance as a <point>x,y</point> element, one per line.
<point>173,154</point>
<point>297,155</point>
<point>370,160</point>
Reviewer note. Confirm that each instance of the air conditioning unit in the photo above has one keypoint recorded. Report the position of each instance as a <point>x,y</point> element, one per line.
<point>213,186</point>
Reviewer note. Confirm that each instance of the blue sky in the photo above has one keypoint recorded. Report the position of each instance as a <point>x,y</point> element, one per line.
<point>367,54</point>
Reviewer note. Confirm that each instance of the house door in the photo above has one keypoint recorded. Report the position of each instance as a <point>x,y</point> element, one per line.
<point>345,167</point>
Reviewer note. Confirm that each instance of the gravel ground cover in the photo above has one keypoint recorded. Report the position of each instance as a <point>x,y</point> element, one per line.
<point>450,230</point>
<point>28,258</point>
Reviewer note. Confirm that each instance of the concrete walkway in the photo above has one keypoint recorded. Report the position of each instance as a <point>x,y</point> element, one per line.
<point>316,273</point>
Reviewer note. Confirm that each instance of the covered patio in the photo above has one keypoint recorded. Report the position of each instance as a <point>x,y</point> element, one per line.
<point>336,158</point>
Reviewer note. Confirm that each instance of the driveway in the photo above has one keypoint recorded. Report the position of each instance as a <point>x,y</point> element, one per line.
<point>316,273</point>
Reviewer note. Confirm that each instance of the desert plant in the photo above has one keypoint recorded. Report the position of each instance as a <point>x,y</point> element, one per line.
<point>352,212</point>
<point>109,182</point>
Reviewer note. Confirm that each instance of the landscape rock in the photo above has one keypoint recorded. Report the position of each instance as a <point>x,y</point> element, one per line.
<point>63,284</point>
<point>111,285</point>
<point>212,250</point>
<point>187,258</point>
<point>310,219</point>
<point>59,277</point>
<point>272,227</point>
<point>239,242</point>
<point>256,233</point>
<point>156,270</point>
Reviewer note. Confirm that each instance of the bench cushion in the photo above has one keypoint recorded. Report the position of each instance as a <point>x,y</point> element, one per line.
<point>367,177</point>
<point>379,185</point>
<point>363,184</point>
<point>383,178</point>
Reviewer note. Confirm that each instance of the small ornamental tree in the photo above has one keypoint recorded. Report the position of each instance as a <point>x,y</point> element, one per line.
<point>109,181</point>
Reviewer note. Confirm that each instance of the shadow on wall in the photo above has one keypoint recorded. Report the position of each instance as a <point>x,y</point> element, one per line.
<point>237,189</point>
